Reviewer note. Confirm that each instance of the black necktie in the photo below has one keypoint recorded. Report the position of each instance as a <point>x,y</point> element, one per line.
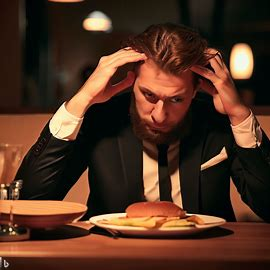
<point>163,174</point>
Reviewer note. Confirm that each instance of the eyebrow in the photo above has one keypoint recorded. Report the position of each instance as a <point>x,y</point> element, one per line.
<point>142,88</point>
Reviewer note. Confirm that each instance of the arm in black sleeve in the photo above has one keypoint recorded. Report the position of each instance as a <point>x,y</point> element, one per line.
<point>52,166</point>
<point>251,175</point>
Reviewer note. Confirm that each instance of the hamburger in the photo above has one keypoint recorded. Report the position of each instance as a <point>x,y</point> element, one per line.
<point>155,215</point>
<point>155,209</point>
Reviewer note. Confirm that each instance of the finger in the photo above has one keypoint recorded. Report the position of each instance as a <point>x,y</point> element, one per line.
<point>222,64</point>
<point>221,71</point>
<point>123,50</point>
<point>205,73</point>
<point>208,87</point>
<point>215,54</point>
<point>108,69</point>
<point>219,58</point>
<point>217,66</point>
<point>121,53</point>
<point>124,84</point>
<point>128,58</point>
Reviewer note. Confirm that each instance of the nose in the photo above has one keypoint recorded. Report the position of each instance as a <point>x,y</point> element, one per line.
<point>159,112</point>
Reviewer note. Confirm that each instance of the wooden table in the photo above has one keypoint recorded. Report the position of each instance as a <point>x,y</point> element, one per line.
<point>231,246</point>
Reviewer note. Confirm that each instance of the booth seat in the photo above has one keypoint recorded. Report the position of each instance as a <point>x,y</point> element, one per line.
<point>25,128</point>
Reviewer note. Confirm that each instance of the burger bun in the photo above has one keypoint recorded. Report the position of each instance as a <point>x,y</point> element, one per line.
<point>155,209</point>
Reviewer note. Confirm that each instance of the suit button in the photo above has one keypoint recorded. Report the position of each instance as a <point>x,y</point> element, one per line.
<point>38,148</point>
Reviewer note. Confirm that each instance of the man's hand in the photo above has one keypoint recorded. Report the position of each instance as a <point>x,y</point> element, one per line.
<point>98,88</point>
<point>219,84</point>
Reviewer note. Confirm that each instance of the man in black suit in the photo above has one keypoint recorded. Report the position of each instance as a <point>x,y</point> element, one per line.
<point>117,134</point>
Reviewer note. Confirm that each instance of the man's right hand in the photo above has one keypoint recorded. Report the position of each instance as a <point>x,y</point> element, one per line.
<point>98,88</point>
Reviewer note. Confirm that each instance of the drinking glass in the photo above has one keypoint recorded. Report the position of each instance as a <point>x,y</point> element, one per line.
<point>10,159</point>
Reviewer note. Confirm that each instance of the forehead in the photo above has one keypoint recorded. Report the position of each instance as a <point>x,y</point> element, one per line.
<point>150,76</point>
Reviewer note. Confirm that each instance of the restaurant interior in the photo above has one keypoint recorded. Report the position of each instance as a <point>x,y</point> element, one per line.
<point>45,48</point>
<point>49,48</point>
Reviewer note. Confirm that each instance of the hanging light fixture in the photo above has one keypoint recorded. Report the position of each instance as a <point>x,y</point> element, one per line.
<point>97,21</point>
<point>241,61</point>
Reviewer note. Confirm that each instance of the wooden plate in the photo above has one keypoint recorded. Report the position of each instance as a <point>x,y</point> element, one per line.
<point>41,214</point>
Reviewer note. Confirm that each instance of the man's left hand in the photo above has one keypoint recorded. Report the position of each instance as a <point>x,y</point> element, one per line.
<point>219,84</point>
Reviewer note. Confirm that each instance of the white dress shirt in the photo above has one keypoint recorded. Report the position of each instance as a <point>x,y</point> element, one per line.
<point>247,134</point>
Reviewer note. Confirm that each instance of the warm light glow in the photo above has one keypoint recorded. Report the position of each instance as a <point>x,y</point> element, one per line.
<point>66,1</point>
<point>241,61</point>
<point>97,21</point>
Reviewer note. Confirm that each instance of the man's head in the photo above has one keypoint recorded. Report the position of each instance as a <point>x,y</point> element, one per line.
<point>164,85</point>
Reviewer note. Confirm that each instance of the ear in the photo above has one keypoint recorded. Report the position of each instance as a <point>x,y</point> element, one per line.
<point>196,83</point>
<point>196,88</point>
<point>195,92</point>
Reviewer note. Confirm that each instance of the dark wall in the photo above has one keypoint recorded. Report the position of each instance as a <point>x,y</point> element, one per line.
<point>10,54</point>
<point>43,60</point>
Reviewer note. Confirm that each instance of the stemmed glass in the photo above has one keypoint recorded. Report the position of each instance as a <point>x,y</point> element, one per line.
<point>10,159</point>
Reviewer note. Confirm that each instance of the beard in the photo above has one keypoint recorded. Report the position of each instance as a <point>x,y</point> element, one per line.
<point>143,132</point>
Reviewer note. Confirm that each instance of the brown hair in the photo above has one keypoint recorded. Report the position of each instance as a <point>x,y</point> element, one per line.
<point>174,48</point>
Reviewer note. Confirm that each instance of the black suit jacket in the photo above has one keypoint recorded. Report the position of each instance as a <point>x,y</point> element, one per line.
<point>107,145</point>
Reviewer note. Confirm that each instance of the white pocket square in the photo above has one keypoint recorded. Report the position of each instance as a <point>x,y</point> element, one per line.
<point>215,160</point>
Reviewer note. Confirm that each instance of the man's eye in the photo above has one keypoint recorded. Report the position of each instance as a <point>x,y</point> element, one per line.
<point>176,100</point>
<point>150,97</point>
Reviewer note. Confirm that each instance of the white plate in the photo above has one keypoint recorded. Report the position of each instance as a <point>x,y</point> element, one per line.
<point>210,222</point>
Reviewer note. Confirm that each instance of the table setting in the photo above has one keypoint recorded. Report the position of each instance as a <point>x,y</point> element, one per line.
<point>19,217</point>
<point>47,234</point>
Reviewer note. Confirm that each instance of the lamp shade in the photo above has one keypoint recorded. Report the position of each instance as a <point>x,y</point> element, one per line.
<point>97,21</point>
<point>241,61</point>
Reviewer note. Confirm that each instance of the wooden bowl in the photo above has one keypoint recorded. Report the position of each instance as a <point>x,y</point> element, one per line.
<point>40,214</point>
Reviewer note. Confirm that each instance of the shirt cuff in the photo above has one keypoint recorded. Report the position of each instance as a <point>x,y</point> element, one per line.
<point>248,134</point>
<point>64,125</point>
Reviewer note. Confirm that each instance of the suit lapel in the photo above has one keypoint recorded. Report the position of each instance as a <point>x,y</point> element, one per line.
<point>130,148</point>
<point>190,153</point>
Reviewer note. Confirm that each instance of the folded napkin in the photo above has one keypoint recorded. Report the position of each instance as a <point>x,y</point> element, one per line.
<point>215,160</point>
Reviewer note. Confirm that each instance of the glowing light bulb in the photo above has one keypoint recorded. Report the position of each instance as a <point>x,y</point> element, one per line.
<point>97,21</point>
<point>241,61</point>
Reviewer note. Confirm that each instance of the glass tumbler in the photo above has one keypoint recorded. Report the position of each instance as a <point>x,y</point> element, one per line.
<point>10,160</point>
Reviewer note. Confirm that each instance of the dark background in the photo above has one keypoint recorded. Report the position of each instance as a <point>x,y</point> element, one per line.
<point>44,48</point>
